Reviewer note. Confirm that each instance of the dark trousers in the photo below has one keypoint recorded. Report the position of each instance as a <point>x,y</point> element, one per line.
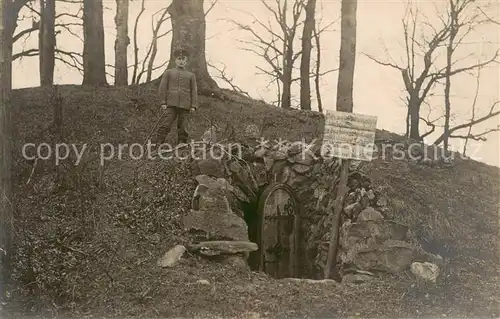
<point>170,115</point>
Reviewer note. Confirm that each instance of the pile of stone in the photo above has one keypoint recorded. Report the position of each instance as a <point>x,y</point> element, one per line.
<point>219,233</point>
<point>370,243</point>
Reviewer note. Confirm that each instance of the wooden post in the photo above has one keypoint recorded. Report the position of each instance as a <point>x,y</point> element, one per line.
<point>338,207</point>
<point>344,104</point>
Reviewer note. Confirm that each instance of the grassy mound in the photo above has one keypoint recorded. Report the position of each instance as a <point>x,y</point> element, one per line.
<point>88,244</point>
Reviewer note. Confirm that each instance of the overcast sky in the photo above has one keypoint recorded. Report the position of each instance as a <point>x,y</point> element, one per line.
<point>377,90</point>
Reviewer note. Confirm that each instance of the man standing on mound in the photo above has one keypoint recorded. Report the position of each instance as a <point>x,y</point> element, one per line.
<point>178,94</point>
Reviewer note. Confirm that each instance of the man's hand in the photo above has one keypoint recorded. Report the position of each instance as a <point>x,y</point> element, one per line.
<point>164,107</point>
<point>193,110</point>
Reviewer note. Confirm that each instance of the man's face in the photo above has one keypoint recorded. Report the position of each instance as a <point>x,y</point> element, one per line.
<point>181,61</point>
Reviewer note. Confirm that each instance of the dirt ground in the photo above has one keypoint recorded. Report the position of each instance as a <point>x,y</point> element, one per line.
<point>88,248</point>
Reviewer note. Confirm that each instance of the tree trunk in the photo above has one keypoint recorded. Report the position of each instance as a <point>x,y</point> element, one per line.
<point>154,46</point>
<point>121,43</point>
<point>347,56</point>
<point>154,51</point>
<point>414,111</point>
<point>318,68</point>
<point>407,133</point>
<point>94,65</point>
<point>449,62</point>
<point>188,33</point>
<point>344,104</point>
<point>47,42</point>
<point>286,95</point>
<point>305,61</point>
<point>5,147</point>
<point>10,16</point>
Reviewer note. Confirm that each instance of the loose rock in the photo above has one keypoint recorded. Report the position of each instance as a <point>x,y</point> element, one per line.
<point>353,209</point>
<point>301,168</point>
<point>311,281</point>
<point>203,282</point>
<point>426,271</point>
<point>370,213</point>
<point>172,257</point>
<point>356,278</point>
<point>213,248</point>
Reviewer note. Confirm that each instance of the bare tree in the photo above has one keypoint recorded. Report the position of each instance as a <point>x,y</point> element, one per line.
<point>121,43</point>
<point>418,85</point>
<point>11,10</point>
<point>47,41</point>
<point>154,43</point>
<point>189,33</point>
<point>136,47</point>
<point>70,58</point>
<point>94,64</point>
<point>463,17</point>
<point>276,47</point>
<point>344,104</point>
<point>278,52</point>
<point>148,63</point>
<point>305,61</point>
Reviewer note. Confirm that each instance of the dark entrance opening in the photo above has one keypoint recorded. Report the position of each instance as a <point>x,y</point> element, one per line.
<point>274,224</point>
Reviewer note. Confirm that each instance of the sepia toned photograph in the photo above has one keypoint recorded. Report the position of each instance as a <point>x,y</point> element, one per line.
<point>249,159</point>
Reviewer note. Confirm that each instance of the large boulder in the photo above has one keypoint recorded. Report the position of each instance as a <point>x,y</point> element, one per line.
<point>216,224</point>
<point>392,257</point>
<point>214,199</point>
<point>371,232</point>
<point>212,193</point>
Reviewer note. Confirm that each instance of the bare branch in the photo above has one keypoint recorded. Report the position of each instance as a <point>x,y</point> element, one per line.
<point>490,114</point>
<point>67,28</point>
<point>224,77</point>
<point>71,15</point>
<point>441,75</point>
<point>36,26</point>
<point>212,5</point>
<point>477,137</point>
<point>25,53</point>
<point>394,66</point>
<point>488,18</point>
<point>318,74</point>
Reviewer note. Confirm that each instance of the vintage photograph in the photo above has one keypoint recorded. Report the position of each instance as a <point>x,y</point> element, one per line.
<point>249,159</point>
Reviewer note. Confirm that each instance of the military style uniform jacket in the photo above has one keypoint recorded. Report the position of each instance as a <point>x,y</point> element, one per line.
<point>178,88</point>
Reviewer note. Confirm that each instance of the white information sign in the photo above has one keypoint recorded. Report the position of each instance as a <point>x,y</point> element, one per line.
<point>349,135</point>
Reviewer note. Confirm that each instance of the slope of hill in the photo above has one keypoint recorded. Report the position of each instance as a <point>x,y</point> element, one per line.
<point>88,247</point>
